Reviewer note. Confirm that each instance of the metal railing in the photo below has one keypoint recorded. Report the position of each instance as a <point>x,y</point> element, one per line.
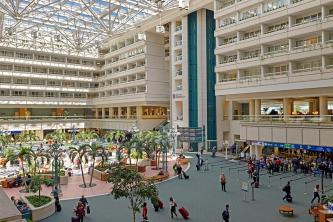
<point>278,119</point>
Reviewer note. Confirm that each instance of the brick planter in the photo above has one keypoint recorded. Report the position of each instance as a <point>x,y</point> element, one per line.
<point>40,213</point>
<point>153,163</point>
<point>141,169</point>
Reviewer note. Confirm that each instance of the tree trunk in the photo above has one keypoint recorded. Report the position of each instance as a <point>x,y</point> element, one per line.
<point>129,156</point>
<point>22,166</point>
<point>84,181</point>
<point>92,172</point>
<point>35,167</point>
<point>133,213</point>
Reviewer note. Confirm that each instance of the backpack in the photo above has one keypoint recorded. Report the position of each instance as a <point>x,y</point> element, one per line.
<point>225,215</point>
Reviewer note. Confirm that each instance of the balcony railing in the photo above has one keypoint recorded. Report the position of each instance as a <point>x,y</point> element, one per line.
<point>225,4</point>
<point>178,28</point>
<point>310,69</point>
<point>179,43</point>
<point>179,58</point>
<point>179,72</point>
<point>278,119</point>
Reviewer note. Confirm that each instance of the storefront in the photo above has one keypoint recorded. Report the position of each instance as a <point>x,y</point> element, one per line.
<point>289,150</point>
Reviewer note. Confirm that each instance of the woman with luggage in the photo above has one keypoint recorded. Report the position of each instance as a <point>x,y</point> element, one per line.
<point>80,212</point>
<point>173,207</point>
<point>144,212</point>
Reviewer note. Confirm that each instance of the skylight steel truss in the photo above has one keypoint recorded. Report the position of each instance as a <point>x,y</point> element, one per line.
<point>71,26</point>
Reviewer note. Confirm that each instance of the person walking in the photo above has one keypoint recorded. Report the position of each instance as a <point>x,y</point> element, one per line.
<point>226,214</point>
<point>80,211</point>
<point>179,171</point>
<point>287,190</point>
<point>316,194</point>
<point>144,212</point>
<point>223,181</point>
<point>173,207</point>
<point>84,200</point>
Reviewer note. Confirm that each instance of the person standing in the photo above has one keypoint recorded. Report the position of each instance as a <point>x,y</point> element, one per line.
<point>316,194</point>
<point>225,214</point>
<point>223,181</point>
<point>173,207</point>
<point>144,212</point>
<point>55,193</point>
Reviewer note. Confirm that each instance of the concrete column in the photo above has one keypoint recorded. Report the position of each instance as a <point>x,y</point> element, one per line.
<point>262,29</point>
<point>219,120</point>
<point>230,110</point>
<point>119,113</point>
<point>96,113</point>
<point>139,112</point>
<point>103,112</point>
<point>287,108</point>
<point>324,11</point>
<point>111,112</point>
<point>257,108</point>
<point>258,152</point>
<point>323,63</point>
<point>128,112</point>
<point>323,107</point>
<point>251,109</point>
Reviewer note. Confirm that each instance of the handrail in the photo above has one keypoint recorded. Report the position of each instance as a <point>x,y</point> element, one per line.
<point>282,118</point>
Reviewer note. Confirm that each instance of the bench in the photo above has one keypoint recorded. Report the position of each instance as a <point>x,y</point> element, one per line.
<point>284,209</point>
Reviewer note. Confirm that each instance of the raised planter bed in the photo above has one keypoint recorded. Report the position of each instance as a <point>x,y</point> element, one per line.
<point>141,169</point>
<point>101,175</point>
<point>183,161</point>
<point>131,167</point>
<point>153,163</point>
<point>158,178</point>
<point>40,213</point>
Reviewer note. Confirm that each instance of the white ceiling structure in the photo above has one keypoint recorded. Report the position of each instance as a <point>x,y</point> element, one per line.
<point>71,26</point>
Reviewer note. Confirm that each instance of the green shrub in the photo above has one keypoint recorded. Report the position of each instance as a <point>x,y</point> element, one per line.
<point>38,201</point>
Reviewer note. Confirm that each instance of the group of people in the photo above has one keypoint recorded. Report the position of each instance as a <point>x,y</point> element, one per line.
<point>81,209</point>
<point>20,205</point>
<point>297,165</point>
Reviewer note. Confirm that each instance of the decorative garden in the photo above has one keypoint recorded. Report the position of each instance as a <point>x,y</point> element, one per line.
<point>29,163</point>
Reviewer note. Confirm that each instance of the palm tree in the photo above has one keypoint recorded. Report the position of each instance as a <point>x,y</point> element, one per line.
<point>87,135</point>
<point>39,154</point>
<point>28,136</point>
<point>139,142</point>
<point>4,140</point>
<point>23,154</point>
<point>162,140</point>
<point>94,149</point>
<point>57,135</point>
<point>80,153</point>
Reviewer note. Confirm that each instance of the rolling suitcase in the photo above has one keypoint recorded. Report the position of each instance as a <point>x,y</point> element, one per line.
<point>185,175</point>
<point>256,184</point>
<point>75,219</point>
<point>58,207</point>
<point>160,204</point>
<point>184,213</point>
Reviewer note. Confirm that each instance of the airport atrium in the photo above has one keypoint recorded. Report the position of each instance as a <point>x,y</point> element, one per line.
<point>162,110</point>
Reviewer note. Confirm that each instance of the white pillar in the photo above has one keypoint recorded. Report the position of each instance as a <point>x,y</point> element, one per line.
<point>251,109</point>
<point>323,108</point>
<point>96,113</point>
<point>287,108</point>
<point>257,111</point>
